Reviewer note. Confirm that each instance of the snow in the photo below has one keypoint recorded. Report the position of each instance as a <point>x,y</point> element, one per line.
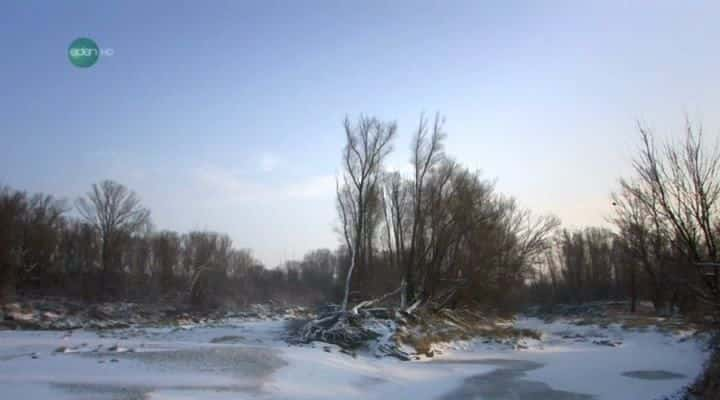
<point>574,363</point>
<point>319,375</point>
<point>588,368</point>
<point>252,361</point>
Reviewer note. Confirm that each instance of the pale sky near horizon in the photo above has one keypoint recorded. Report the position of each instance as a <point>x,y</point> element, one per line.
<point>227,115</point>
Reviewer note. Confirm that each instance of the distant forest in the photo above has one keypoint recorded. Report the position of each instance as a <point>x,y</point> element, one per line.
<point>441,234</point>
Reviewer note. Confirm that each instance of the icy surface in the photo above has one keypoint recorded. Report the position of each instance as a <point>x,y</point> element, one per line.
<point>248,359</point>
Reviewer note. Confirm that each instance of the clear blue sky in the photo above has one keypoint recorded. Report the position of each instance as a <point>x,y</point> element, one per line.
<point>227,115</point>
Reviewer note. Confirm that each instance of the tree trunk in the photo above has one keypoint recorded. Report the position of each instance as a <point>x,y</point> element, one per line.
<point>633,290</point>
<point>7,284</point>
<point>347,280</point>
<point>106,267</point>
<point>659,299</point>
<point>409,282</point>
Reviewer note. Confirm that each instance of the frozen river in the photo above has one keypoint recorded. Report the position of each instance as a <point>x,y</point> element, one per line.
<point>248,359</point>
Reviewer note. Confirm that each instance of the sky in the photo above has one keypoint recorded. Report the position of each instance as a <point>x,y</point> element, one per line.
<point>227,115</point>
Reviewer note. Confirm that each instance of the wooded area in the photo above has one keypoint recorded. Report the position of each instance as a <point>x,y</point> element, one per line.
<point>664,246</point>
<point>442,235</point>
<point>110,252</point>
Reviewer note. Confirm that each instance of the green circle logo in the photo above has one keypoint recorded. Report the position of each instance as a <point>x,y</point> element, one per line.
<point>83,52</point>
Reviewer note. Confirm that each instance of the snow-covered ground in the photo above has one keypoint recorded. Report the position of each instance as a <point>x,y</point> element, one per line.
<point>248,359</point>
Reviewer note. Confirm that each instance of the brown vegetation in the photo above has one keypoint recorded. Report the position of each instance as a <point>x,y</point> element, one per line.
<point>428,328</point>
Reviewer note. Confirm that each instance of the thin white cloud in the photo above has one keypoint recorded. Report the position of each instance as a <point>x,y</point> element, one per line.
<point>223,185</point>
<point>313,187</point>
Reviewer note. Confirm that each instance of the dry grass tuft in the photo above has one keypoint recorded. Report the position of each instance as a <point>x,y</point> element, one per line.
<point>446,326</point>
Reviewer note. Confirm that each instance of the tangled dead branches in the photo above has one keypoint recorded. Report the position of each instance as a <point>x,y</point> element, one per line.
<point>342,328</point>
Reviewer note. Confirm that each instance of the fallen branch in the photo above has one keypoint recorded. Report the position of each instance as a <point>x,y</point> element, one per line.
<point>394,351</point>
<point>380,299</point>
<point>444,302</point>
<point>413,306</point>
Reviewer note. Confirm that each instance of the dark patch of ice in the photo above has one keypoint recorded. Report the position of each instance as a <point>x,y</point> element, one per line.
<point>507,382</point>
<point>253,362</point>
<point>228,339</point>
<point>652,375</point>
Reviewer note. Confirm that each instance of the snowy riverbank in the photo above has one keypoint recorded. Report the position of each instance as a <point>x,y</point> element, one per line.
<point>241,358</point>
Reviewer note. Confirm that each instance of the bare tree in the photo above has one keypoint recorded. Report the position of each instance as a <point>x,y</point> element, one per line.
<point>114,211</point>
<point>346,211</point>
<point>441,219</point>
<point>427,152</point>
<point>646,235</point>
<point>684,179</point>
<point>368,143</point>
<point>670,210</point>
<point>396,204</point>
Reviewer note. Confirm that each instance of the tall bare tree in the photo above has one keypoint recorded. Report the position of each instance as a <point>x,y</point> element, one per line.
<point>427,152</point>
<point>368,143</point>
<point>646,236</point>
<point>670,209</point>
<point>396,202</point>
<point>684,179</point>
<point>114,211</point>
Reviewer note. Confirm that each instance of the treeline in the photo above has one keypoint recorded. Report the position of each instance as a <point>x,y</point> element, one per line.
<point>587,264</point>
<point>109,252</point>
<point>664,245</point>
<point>439,236</point>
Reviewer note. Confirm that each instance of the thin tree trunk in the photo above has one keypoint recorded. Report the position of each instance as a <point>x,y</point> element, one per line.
<point>347,280</point>
<point>633,290</point>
